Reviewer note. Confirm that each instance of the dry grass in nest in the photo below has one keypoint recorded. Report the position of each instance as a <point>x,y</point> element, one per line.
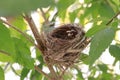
<point>63,45</point>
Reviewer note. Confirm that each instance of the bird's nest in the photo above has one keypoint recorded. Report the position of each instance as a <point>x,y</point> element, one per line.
<point>64,44</point>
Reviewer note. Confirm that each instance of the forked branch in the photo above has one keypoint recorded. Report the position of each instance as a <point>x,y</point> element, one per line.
<point>39,42</point>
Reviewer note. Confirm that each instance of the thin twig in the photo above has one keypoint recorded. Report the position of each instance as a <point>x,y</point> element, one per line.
<point>53,73</point>
<point>14,70</point>
<point>40,71</point>
<point>34,30</point>
<point>112,18</point>
<point>1,51</point>
<point>63,72</point>
<point>43,15</point>
<point>15,28</point>
<point>6,66</point>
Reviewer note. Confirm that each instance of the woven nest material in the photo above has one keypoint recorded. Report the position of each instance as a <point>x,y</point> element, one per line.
<point>63,45</point>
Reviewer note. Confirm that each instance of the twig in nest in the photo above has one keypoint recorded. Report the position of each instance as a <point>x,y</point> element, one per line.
<point>64,44</point>
<point>112,18</point>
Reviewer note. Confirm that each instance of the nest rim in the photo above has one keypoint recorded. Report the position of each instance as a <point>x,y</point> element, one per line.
<point>56,39</point>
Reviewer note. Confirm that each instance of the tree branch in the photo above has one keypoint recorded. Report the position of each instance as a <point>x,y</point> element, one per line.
<point>40,71</point>
<point>43,15</point>
<point>39,42</point>
<point>34,30</point>
<point>53,73</point>
<point>112,18</point>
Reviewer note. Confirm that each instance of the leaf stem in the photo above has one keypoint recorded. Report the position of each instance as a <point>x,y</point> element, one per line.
<point>112,18</point>
<point>43,15</point>
<point>14,70</point>
<point>6,66</point>
<point>1,51</point>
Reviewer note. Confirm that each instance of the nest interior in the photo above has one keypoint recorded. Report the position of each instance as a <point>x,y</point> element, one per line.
<point>64,44</point>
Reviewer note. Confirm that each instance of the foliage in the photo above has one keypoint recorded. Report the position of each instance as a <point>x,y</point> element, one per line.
<point>16,42</point>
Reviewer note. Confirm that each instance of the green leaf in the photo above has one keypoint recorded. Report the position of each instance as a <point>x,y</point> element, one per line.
<point>84,58</point>
<point>62,6</point>
<point>115,24</point>
<point>106,76</point>
<point>105,10</point>
<point>99,43</point>
<point>13,7</point>
<point>115,51</point>
<point>87,1</point>
<point>79,75</point>
<point>2,77</point>
<point>73,15</point>
<point>95,29</point>
<point>93,10</point>
<point>117,77</point>
<point>19,23</point>
<point>6,42</point>
<point>36,76</point>
<point>5,58</point>
<point>91,78</point>
<point>23,54</point>
<point>68,76</point>
<point>103,67</point>
<point>114,4</point>
<point>24,73</point>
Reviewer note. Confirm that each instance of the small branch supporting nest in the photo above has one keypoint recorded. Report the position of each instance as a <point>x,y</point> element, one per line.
<point>33,28</point>
<point>60,47</point>
<point>39,42</point>
<point>40,71</point>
